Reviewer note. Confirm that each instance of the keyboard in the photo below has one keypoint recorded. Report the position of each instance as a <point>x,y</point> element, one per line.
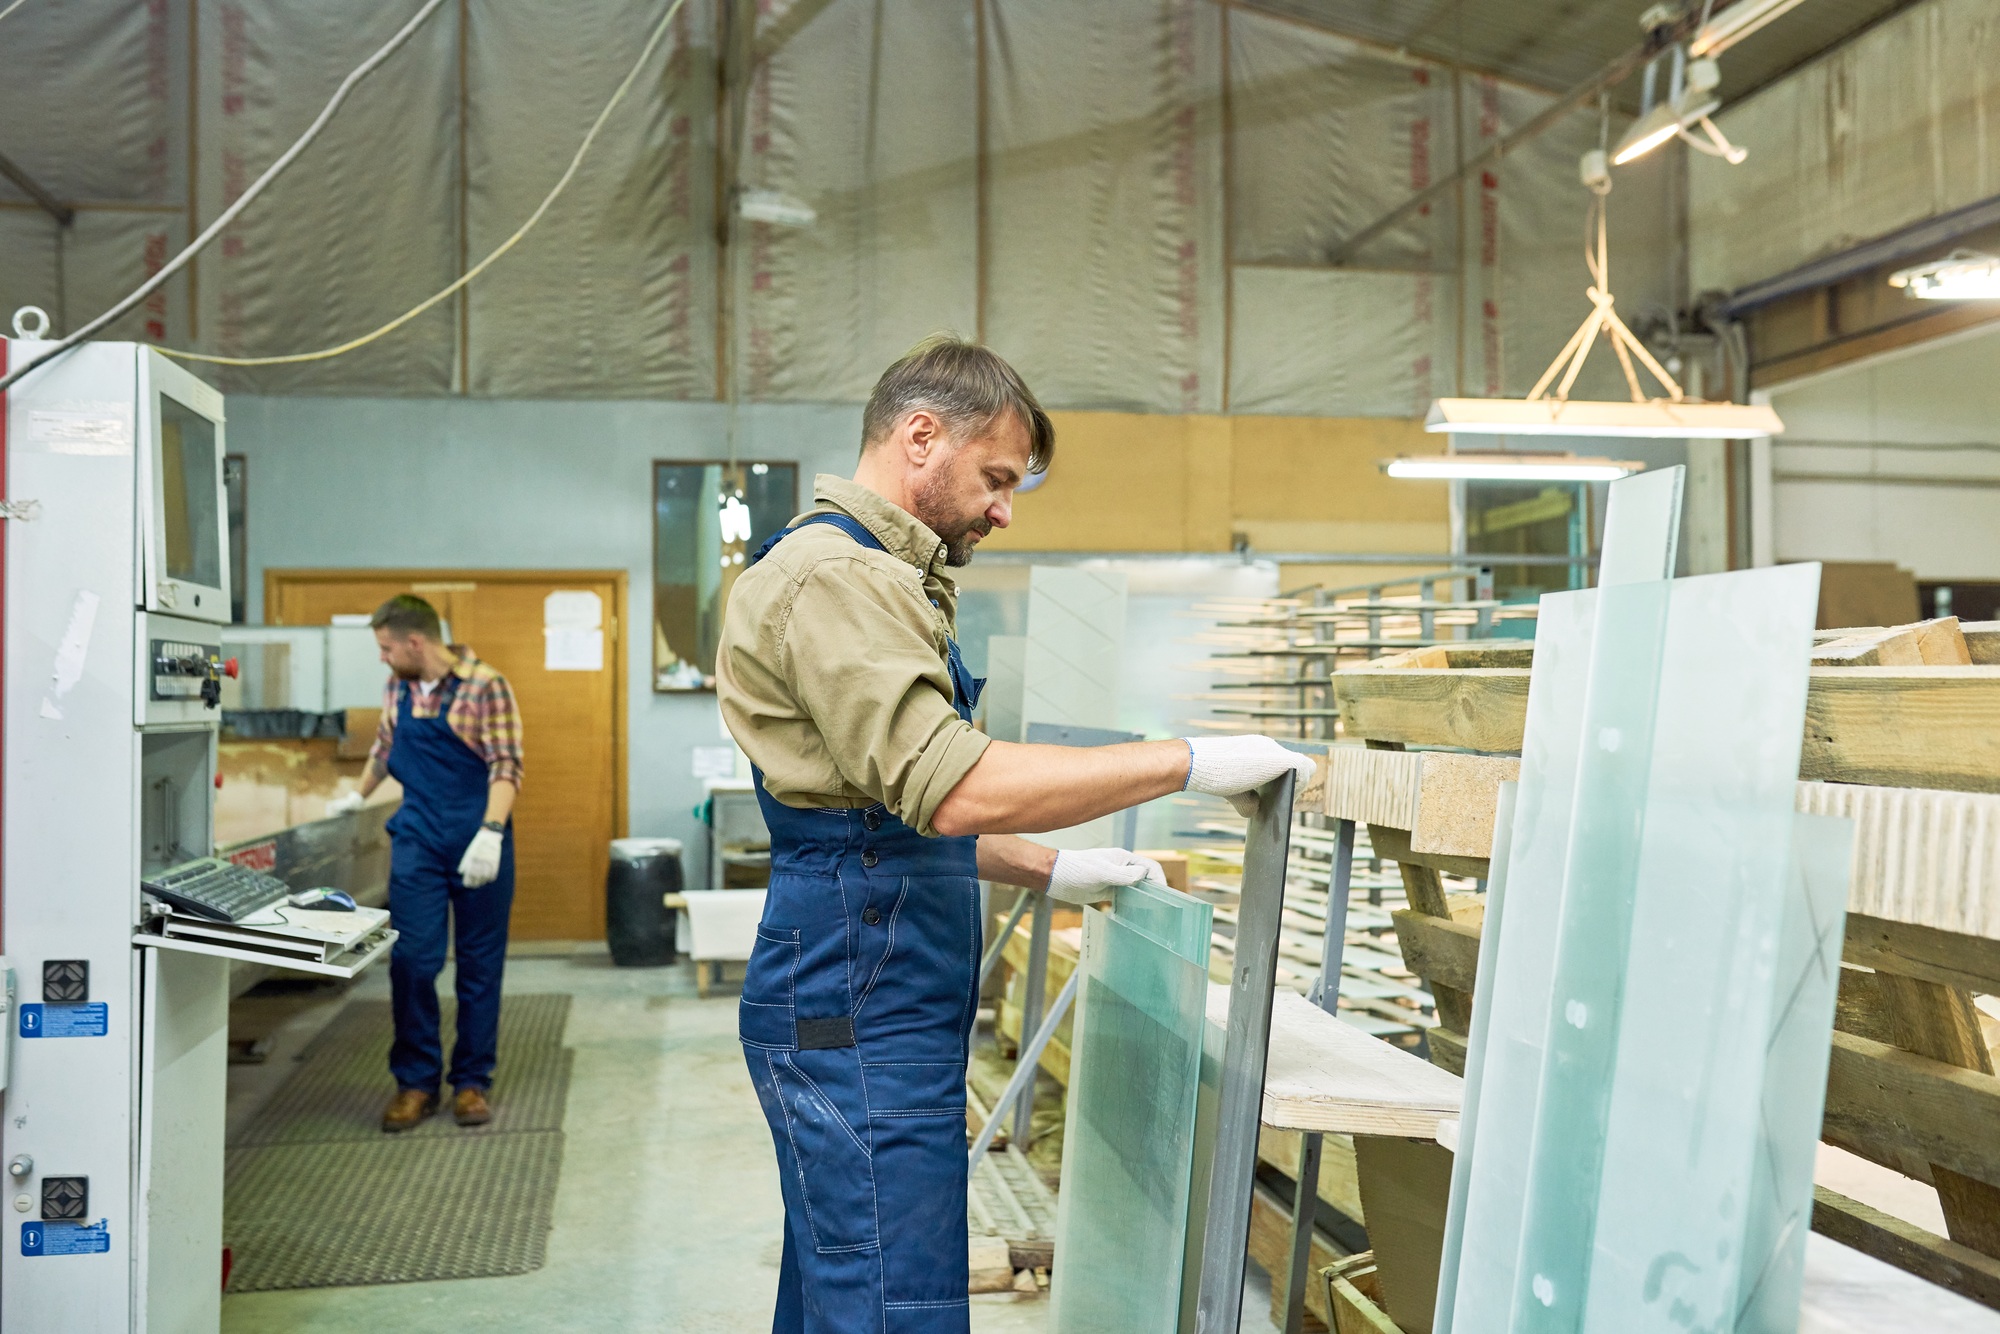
<point>216,889</point>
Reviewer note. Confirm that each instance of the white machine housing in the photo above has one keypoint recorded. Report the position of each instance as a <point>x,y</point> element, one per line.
<point>116,589</point>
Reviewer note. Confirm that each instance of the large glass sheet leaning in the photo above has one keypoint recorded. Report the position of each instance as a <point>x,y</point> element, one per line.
<point>1633,1163</point>
<point>1122,1216</point>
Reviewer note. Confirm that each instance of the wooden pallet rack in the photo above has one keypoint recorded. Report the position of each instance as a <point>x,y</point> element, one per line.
<point>1902,734</point>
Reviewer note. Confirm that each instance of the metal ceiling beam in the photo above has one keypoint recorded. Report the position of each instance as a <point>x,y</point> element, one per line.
<point>55,208</point>
<point>1290,11</point>
<point>1658,40</point>
<point>788,25</point>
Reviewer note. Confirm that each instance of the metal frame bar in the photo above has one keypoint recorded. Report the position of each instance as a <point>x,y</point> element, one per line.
<point>1032,1000</point>
<point>999,944</point>
<point>1226,1232</point>
<point>1326,993</point>
<point>1022,1084</point>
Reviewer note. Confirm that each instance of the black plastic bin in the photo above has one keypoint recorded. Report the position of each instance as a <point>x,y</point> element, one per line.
<point>638,925</point>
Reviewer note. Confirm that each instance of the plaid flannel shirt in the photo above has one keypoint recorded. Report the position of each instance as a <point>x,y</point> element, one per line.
<point>483,715</point>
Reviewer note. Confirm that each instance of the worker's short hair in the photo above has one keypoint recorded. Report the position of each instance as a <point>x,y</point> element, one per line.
<point>408,614</point>
<point>968,388</point>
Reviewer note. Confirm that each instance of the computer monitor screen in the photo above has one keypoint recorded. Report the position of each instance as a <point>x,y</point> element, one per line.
<point>192,520</point>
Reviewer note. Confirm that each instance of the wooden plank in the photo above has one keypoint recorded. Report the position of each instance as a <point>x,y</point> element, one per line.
<point>1907,1246</point>
<point>1931,727</point>
<point>1479,708</point>
<point>1271,1246</point>
<point>1373,786</point>
<point>1940,1022</point>
<point>1392,844</point>
<point>1982,642</point>
<point>1439,950</point>
<point>1322,1074</point>
<point>1338,1185</point>
<point>1404,1185</point>
<point>1876,1093</point>
<point>1456,797</point>
<point>1447,1050</point>
<point>1859,1009</point>
<point>1972,962</point>
<point>1353,1313</point>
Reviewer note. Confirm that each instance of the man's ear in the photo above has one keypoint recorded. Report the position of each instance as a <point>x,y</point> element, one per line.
<point>921,435</point>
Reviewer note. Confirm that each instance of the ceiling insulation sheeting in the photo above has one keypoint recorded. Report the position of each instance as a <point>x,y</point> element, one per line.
<point>868,117</point>
<point>1900,125</point>
<point>1105,225</point>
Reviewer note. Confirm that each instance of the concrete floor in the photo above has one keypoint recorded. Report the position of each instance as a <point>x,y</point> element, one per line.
<point>668,1216</point>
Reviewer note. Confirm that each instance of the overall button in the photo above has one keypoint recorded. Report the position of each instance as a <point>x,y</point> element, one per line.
<point>872,820</point>
<point>870,916</point>
<point>869,859</point>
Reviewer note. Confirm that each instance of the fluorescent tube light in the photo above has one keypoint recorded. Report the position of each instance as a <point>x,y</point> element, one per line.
<point>1660,419</point>
<point>775,207</point>
<point>1966,276</point>
<point>1498,467</point>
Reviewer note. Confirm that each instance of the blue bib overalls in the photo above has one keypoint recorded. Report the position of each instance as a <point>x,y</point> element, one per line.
<point>857,1011</point>
<point>444,800</point>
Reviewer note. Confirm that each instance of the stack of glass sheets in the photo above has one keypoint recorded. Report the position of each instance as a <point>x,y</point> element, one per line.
<point>1650,1051</point>
<point>1124,1243</point>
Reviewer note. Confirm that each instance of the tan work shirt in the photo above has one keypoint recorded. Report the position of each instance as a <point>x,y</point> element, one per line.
<point>832,672</point>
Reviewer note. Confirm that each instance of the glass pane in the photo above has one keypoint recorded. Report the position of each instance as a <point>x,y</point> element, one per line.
<point>1129,1142</point>
<point>193,528</point>
<point>1540,519</point>
<point>1638,1109</point>
<point>708,520</point>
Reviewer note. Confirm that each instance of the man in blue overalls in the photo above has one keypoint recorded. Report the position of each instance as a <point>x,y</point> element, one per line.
<point>839,676</point>
<point>451,736</point>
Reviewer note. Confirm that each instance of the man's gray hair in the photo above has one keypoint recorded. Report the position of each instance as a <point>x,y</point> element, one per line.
<point>967,387</point>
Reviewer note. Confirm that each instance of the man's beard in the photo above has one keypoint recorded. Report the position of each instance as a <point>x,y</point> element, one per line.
<point>959,536</point>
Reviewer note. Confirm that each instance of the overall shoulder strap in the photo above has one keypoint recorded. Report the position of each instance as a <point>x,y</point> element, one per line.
<point>854,528</point>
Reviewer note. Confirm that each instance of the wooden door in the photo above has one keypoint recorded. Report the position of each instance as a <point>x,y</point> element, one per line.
<point>572,800</point>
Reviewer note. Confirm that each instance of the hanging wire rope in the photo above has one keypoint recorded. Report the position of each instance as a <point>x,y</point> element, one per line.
<point>229,215</point>
<point>583,149</point>
<point>11,8</point>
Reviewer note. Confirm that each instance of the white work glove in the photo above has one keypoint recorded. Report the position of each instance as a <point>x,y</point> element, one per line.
<point>481,863</point>
<point>1236,766</point>
<point>1091,875</point>
<point>345,802</point>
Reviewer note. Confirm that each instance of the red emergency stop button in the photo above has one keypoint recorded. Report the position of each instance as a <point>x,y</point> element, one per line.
<point>229,669</point>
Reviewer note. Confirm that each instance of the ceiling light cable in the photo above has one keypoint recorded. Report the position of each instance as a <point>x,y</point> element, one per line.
<point>229,215</point>
<point>293,358</point>
<point>11,8</point>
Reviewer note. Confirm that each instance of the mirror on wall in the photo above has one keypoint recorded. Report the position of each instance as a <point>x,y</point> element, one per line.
<point>709,517</point>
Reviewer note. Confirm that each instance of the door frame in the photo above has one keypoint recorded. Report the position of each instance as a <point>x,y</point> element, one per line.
<point>620,741</point>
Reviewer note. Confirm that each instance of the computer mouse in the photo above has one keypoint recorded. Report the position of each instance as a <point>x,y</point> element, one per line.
<point>323,900</point>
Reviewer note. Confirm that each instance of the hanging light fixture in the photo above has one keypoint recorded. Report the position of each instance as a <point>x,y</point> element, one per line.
<point>1503,466</point>
<point>1548,409</point>
<point>1964,275</point>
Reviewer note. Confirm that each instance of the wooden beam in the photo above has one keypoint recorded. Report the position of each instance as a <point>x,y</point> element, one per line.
<point>1442,952</point>
<point>1940,1022</point>
<point>1405,1184</point>
<point>1481,708</point>
<point>1907,1246</point>
<point>1393,845</point>
<point>1879,1093</point>
<point>1956,960</point>
<point>1271,1245</point>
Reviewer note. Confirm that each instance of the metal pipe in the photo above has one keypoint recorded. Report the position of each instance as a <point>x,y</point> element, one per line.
<point>1024,1069</point>
<point>1000,941</point>
<point>1032,1001</point>
<point>55,208</point>
<point>1613,74</point>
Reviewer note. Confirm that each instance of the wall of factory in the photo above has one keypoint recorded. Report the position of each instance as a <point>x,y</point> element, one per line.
<point>1898,125</point>
<point>467,484</point>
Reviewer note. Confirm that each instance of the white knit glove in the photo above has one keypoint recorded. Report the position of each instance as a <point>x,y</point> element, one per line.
<point>345,802</point>
<point>481,863</point>
<point>1091,875</point>
<point>1236,766</point>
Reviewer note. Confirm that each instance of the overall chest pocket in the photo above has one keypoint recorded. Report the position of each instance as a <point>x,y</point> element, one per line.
<point>765,1017</point>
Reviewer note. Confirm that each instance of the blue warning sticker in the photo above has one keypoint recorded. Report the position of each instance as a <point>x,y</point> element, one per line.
<point>66,1238</point>
<point>65,1021</point>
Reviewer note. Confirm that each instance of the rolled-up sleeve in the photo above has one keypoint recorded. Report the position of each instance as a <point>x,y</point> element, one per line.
<point>865,663</point>
<point>385,730</point>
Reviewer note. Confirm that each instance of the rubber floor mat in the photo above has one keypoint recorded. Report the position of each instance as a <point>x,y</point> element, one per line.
<point>392,1210</point>
<point>316,1195</point>
<point>342,1081</point>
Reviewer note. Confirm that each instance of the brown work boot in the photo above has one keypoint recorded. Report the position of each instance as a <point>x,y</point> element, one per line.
<point>407,1109</point>
<point>470,1107</point>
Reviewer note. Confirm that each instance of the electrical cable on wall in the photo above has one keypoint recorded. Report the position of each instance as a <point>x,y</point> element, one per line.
<point>229,215</point>
<point>583,149</point>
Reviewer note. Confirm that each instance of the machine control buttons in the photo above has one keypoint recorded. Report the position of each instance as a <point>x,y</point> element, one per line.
<point>65,1198</point>
<point>20,1167</point>
<point>184,670</point>
<point>65,981</point>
